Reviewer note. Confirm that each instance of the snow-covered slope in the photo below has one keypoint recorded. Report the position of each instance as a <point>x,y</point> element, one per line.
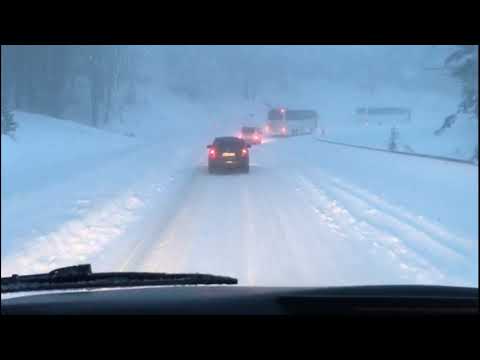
<point>47,149</point>
<point>336,104</point>
<point>69,191</point>
<point>160,115</point>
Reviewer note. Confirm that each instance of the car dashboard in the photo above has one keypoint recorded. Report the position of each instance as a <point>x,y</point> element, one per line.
<point>240,300</point>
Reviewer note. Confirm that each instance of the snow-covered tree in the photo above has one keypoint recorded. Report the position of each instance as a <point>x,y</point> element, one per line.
<point>475,155</point>
<point>392,143</point>
<point>9,124</point>
<point>462,65</point>
<point>54,79</point>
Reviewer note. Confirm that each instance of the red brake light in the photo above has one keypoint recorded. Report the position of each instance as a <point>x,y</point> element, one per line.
<point>212,153</point>
<point>244,152</point>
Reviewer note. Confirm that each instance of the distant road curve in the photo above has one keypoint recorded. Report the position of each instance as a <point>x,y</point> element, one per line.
<point>434,157</point>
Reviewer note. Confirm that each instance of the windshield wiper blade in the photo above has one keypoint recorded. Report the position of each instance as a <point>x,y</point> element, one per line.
<point>82,277</point>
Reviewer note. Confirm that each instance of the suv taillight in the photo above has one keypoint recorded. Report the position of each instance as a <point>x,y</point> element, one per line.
<point>244,152</point>
<point>212,153</point>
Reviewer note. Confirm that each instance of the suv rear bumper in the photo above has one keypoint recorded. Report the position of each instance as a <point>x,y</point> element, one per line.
<point>228,163</point>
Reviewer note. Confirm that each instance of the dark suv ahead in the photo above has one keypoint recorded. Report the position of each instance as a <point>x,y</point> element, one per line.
<point>251,135</point>
<point>228,153</point>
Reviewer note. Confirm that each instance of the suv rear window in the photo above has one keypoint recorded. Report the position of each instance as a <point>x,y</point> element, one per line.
<point>247,130</point>
<point>229,143</point>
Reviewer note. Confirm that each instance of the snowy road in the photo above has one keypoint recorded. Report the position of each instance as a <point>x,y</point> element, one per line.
<point>294,221</point>
<point>309,213</point>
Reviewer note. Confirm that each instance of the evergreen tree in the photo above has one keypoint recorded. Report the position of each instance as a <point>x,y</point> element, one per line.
<point>45,78</point>
<point>9,124</point>
<point>394,135</point>
<point>475,155</point>
<point>463,66</point>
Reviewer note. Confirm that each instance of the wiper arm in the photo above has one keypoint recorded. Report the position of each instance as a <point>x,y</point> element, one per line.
<point>82,277</point>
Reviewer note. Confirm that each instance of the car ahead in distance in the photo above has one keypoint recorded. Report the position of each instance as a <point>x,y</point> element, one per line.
<point>228,153</point>
<point>251,135</point>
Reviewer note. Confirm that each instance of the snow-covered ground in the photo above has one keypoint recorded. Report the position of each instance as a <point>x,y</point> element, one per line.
<point>337,104</point>
<point>70,192</point>
<point>309,213</point>
<point>306,216</point>
<point>457,142</point>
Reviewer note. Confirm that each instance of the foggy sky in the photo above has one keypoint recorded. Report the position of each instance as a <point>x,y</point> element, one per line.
<point>226,68</point>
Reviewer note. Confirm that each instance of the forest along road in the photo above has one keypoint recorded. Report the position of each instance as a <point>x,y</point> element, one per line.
<point>310,214</point>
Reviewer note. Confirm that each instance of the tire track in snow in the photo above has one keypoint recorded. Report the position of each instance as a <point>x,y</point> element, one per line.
<point>444,237</point>
<point>158,232</point>
<point>282,246</point>
<point>249,237</point>
<point>413,237</point>
<point>383,247</point>
<point>301,249</point>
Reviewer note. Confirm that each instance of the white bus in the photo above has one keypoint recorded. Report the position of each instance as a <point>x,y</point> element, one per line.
<point>286,122</point>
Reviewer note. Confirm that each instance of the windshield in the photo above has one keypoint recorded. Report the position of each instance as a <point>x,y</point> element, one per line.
<point>300,115</point>
<point>248,130</point>
<point>229,143</point>
<point>372,178</point>
<point>275,115</point>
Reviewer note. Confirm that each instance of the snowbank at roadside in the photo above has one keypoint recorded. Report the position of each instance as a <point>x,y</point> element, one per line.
<point>72,193</point>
